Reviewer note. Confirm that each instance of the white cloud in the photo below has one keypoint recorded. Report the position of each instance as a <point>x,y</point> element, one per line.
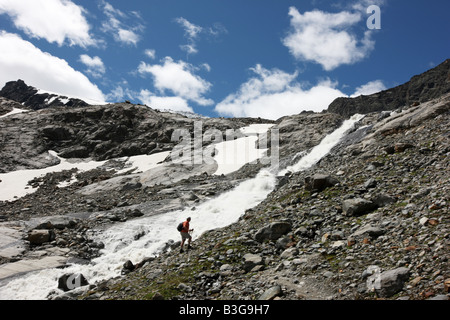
<point>128,36</point>
<point>206,66</point>
<point>95,65</point>
<point>189,48</point>
<point>151,53</point>
<point>369,88</point>
<point>273,93</point>
<point>19,59</point>
<point>178,78</point>
<point>164,103</point>
<point>121,31</point>
<point>58,21</point>
<point>192,32</point>
<point>362,5</point>
<point>327,38</point>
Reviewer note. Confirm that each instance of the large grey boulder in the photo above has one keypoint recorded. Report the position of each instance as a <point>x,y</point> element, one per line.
<point>273,231</point>
<point>388,283</point>
<point>357,207</point>
<point>69,282</point>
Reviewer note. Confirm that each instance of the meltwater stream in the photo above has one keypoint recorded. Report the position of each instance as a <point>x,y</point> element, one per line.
<point>120,243</point>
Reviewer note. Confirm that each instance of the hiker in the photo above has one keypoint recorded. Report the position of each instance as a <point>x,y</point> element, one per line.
<point>185,234</point>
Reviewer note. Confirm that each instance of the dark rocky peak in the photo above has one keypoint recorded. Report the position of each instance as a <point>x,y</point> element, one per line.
<point>421,88</point>
<point>35,99</point>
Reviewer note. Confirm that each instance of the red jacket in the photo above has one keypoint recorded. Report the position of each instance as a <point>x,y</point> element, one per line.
<point>185,227</point>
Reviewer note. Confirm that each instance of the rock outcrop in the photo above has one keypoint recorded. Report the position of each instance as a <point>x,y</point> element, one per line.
<point>30,97</point>
<point>97,132</point>
<point>421,88</point>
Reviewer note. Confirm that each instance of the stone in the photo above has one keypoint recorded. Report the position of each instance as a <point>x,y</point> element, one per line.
<point>37,237</point>
<point>251,261</point>
<point>128,265</point>
<point>273,231</point>
<point>382,200</point>
<point>388,283</point>
<point>184,287</point>
<point>289,253</point>
<point>226,267</point>
<point>57,222</point>
<point>69,282</point>
<point>423,221</point>
<point>158,297</point>
<point>271,293</point>
<point>131,186</point>
<point>369,230</point>
<point>371,183</point>
<point>320,182</point>
<point>401,147</point>
<point>357,207</point>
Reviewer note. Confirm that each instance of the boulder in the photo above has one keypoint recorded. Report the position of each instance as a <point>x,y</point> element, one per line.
<point>72,281</point>
<point>320,182</point>
<point>370,231</point>
<point>251,261</point>
<point>38,236</point>
<point>357,207</point>
<point>389,282</point>
<point>273,231</point>
<point>271,293</point>
<point>56,222</point>
<point>382,200</point>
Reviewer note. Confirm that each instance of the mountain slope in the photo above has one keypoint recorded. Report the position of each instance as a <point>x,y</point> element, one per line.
<point>379,230</point>
<point>369,220</point>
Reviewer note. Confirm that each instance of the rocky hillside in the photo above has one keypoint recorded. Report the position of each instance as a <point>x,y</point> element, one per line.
<point>421,88</point>
<point>369,221</point>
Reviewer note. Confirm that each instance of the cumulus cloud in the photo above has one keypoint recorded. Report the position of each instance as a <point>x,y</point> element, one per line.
<point>19,59</point>
<point>164,103</point>
<point>274,93</point>
<point>369,88</point>
<point>94,65</point>
<point>122,32</point>
<point>327,38</point>
<point>57,21</point>
<point>179,79</point>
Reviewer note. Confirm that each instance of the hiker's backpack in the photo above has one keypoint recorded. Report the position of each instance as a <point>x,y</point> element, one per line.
<point>180,227</point>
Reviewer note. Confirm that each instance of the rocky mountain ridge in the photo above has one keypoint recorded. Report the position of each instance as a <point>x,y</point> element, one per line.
<point>97,132</point>
<point>421,88</point>
<point>32,98</point>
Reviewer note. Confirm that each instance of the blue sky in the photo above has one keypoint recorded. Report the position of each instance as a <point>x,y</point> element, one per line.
<point>266,58</point>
